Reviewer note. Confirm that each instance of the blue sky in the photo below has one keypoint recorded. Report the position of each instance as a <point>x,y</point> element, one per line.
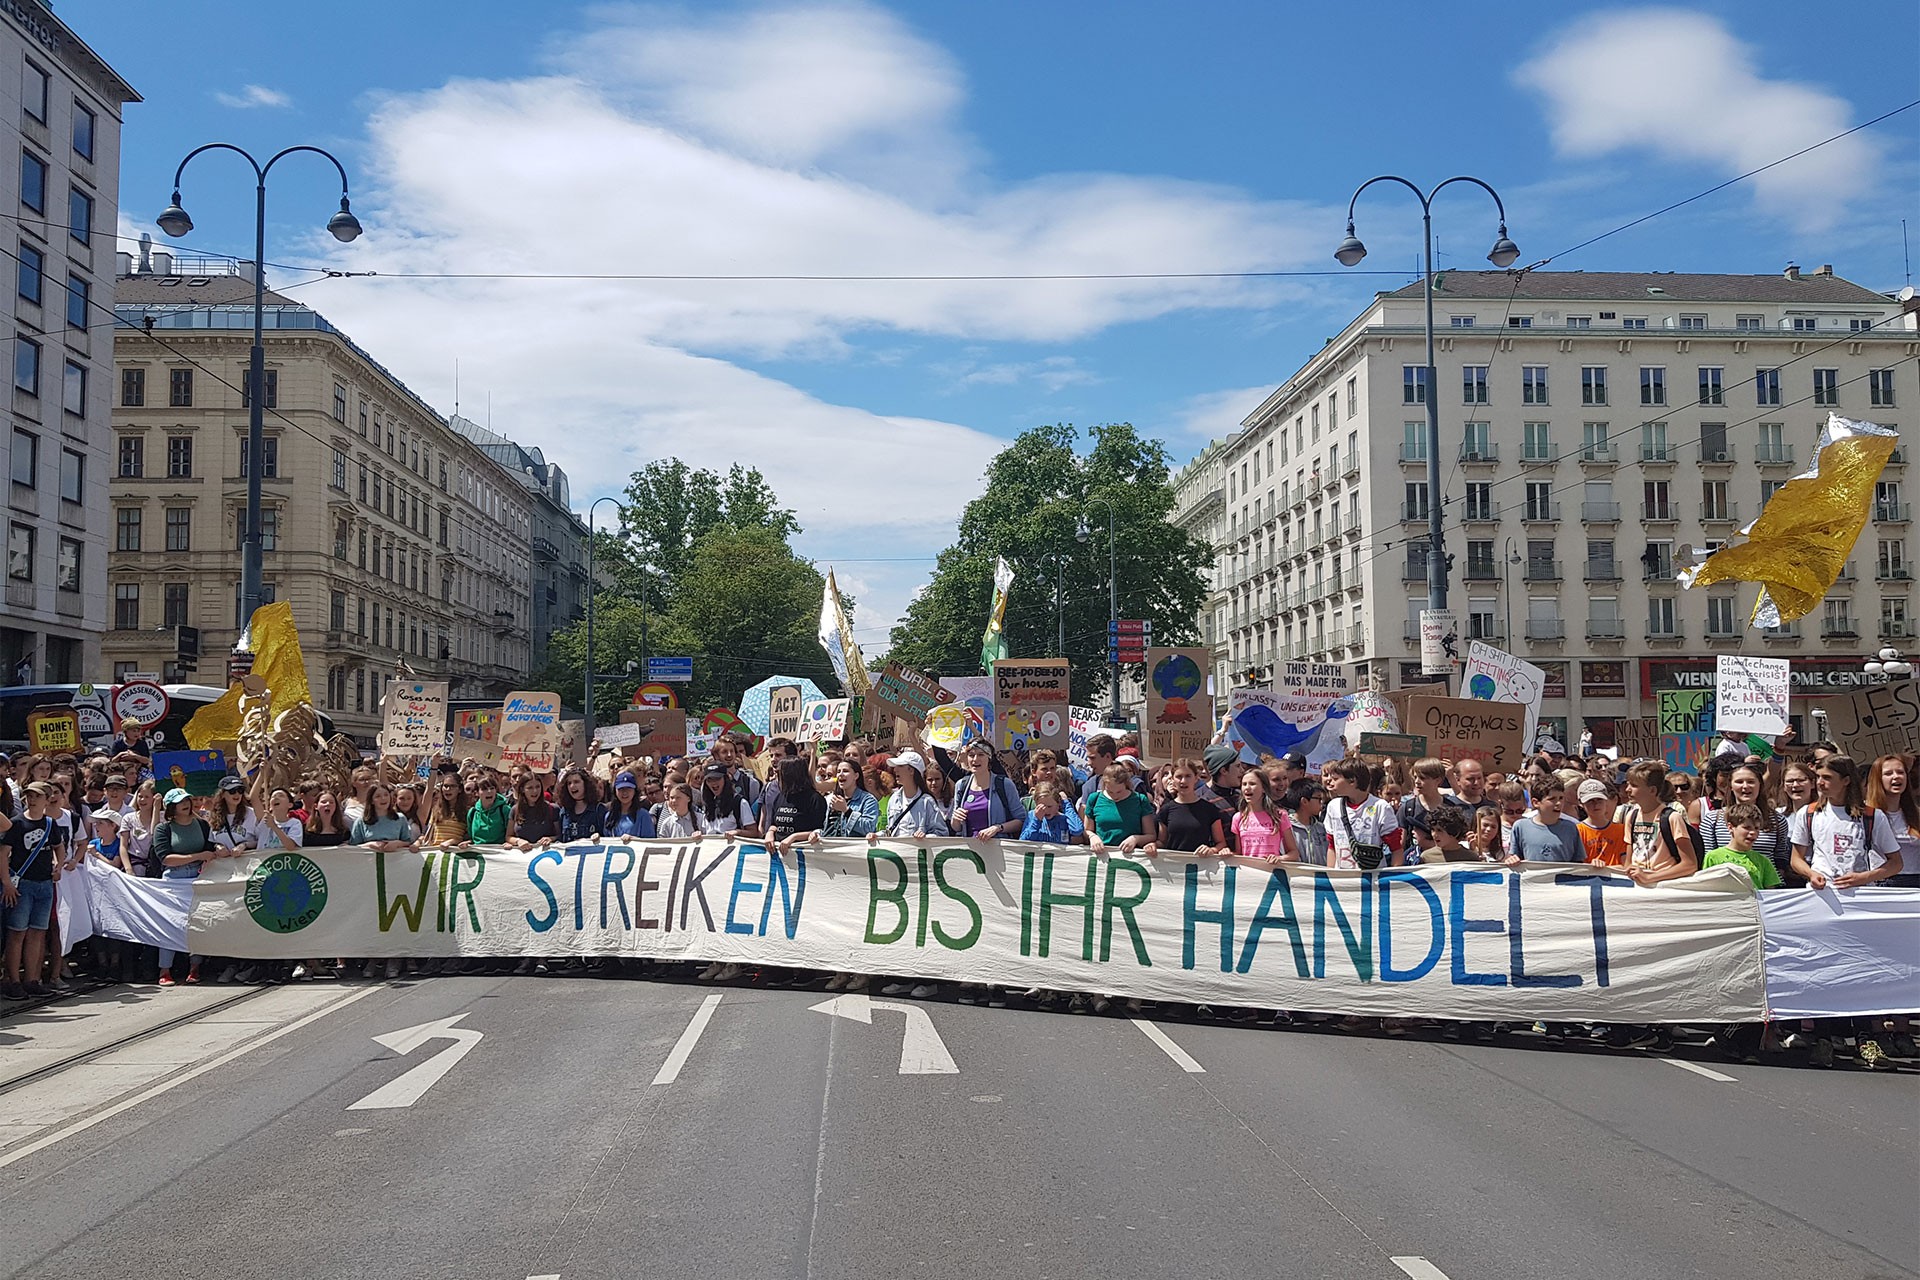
<point>985,138</point>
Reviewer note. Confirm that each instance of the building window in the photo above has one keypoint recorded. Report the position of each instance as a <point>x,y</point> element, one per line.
<point>1713,500</point>
<point>340,472</point>
<point>269,457</point>
<point>174,612</point>
<point>337,611</point>
<point>1749,324</point>
<point>126,528</point>
<point>1805,324</point>
<point>360,558</point>
<point>1579,322</point>
<point>1533,384</point>
<point>33,181</point>
<point>67,567</point>
<point>1479,501</point>
<point>1519,322</point>
<point>1720,616</point>
<point>1656,562</point>
<point>1770,443</point>
<point>179,457</point>
<point>1539,501</point>
<point>33,91</point>
<point>79,215</point>
<point>1660,616</point>
<point>1473,383</point>
<point>1892,561</point>
<point>269,528</point>
<point>1633,322</point>
<point>73,476</point>
<point>1693,324</point>
<point>73,389</point>
<point>126,606</point>
<point>26,459</point>
<point>26,366</point>
<point>270,376</point>
<point>179,528</point>
<point>180,388</point>
<point>1711,390</point>
<point>1593,384</point>
<point>20,552</point>
<point>1413,384</point>
<point>1353,401</point>
<point>1826,387</point>
<point>339,403</point>
<point>1460,322</point>
<point>1880,387</point>
<point>341,536</point>
<point>84,123</point>
<point>1476,441</point>
<point>1654,503</point>
<point>1653,384</point>
<point>377,490</point>
<point>133,457</point>
<point>1415,506</point>
<point>31,274</point>
<point>1837,617</point>
<point>133,388</point>
<point>1653,442</point>
<point>1536,442</point>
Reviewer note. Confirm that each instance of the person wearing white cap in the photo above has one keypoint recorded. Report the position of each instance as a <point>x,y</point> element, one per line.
<point>912,811</point>
<point>106,843</point>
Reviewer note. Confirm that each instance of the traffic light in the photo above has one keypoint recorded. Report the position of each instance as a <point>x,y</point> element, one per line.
<point>186,648</point>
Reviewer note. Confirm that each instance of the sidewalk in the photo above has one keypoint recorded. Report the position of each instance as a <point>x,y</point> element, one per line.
<point>40,1035</point>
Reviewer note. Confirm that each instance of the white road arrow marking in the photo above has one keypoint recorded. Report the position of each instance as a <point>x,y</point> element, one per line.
<point>407,1089</point>
<point>922,1053</point>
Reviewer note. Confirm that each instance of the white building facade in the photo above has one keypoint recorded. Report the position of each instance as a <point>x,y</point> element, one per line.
<point>1596,428</point>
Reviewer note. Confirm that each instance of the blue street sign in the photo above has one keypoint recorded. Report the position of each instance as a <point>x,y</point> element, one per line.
<point>670,670</point>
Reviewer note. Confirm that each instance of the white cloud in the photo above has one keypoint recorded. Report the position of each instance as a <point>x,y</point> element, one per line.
<point>1681,85</point>
<point>1050,373</point>
<point>673,146</point>
<point>1215,415</point>
<point>252,96</point>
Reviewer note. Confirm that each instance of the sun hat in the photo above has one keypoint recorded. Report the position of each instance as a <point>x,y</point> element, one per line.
<point>1592,789</point>
<point>106,815</point>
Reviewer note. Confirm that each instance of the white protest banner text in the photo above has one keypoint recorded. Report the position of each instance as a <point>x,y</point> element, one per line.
<point>1572,943</point>
<point>1750,694</point>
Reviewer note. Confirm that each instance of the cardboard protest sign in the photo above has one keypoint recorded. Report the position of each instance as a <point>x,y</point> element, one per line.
<point>906,694</point>
<point>1178,721</point>
<point>784,704</point>
<point>476,735</point>
<point>1405,746</point>
<point>657,731</point>
<point>54,730</point>
<point>530,729</point>
<point>615,736</point>
<point>572,751</point>
<point>1030,703</point>
<point>416,718</point>
<point>825,720</point>
<point>1686,727</point>
<point>198,772</point>
<point>1296,715</point>
<point>1750,694</point>
<point>1493,733</point>
<point>1876,721</point>
<point>1497,676</point>
<point>1637,737</point>
<point>952,725</point>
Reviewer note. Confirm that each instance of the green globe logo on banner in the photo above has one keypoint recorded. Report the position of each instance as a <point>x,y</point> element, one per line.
<point>286,892</point>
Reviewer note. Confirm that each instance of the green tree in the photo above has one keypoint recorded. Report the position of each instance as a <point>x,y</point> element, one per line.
<point>668,508</point>
<point>1041,496</point>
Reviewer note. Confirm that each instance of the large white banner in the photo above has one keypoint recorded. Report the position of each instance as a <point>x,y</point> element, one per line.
<point>1836,952</point>
<point>1564,943</point>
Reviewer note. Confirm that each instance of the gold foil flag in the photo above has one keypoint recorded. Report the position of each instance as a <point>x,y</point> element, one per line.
<point>275,643</point>
<point>1801,541</point>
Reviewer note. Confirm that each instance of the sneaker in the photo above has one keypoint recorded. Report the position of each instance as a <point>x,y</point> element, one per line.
<point>728,972</point>
<point>837,981</point>
<point>858,982</point>
<point>166,979</point>
<point>367,970</point>
<point>193,977</point>
<point>1077,1003</point>
<point>246,973</point>
<point>300,973</point>
<point>1822,1054</point>
<point>12,991</point>
<point>56,984</point>
<point>1792,1040</point>
<point>227,974</point>
<point>393,969</point>
<point>896,989</point>
<point>925,991</point>
<point>525,967</point>
<point>1631,1037</point>
<point>542,968</point>
<point>37,989</point>
<point>1901,1045</point>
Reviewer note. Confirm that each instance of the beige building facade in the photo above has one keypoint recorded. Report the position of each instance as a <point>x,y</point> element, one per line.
<point>1596,429</point>
<point>60,186</point>
<point>400,543</point>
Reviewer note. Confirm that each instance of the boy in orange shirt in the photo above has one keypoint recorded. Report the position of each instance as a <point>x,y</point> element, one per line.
<point>1605,839</point>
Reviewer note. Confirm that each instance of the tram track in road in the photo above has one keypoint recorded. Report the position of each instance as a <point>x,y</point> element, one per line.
<point>9,1084</point>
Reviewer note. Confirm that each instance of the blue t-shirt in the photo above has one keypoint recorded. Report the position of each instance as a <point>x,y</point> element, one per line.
<point>1558,843</point>
<point>1059,829</point>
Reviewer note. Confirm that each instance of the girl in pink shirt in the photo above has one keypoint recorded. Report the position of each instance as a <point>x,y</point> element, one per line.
<point>1261,829</point>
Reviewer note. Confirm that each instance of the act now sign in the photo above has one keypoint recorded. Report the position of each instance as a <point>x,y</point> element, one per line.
<point>1476,942</point>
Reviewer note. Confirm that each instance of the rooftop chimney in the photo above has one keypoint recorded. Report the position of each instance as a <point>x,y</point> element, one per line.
<point>1793,271</point>
<point>1826,269</point>
<point>146,253</point>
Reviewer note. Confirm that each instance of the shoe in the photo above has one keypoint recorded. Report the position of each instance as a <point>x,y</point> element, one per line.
<point>998,998</point>
<point>964,995</point>
<point>728,972</point>
<point>12,991</point>
<point>166,979</point>
<point>925,991</point>
<point>367,970</point>
<point>1631,1037</point>
<point>1872,1055</point>
<point>393,970</point>
<point>227,974</point>
<point>524,968</point>
<point>300,973</point>
<point>1792,1040</point>
<point>1077,1003</point>
<point>1101,1004</point>
<point>193,977</point>
<point>542,968</point>
<point>37,989</point>
<point>56,984</point>
<point>1662,1040</point>
<point>1822,1054</point>
<point>859,982</point>
<point>246,974</point>
<point>1901,1045</point>
<point>896,989</point>
<point>837,981</point>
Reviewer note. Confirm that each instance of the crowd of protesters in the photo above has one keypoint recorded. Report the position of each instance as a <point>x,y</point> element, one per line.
<point>1821,820</point>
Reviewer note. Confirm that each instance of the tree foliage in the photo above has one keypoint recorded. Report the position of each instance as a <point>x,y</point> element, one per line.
<point>1040,495</point>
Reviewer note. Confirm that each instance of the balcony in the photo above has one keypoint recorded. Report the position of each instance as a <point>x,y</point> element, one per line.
<point>1539,629</point>
<point>1352,526</point>
<point>1538,456</point>
<point>1656,455</point>
<point>1540,513</point>
<point>1665,635</point>
<point>1898,458</point>
<point>1414,570</point>
<point>1484,455</point>
<point>1656,572</point>
<point>1773,455</point>
<point>1719,513</point>
<point>1892,629</point>
<point>1606,629</point>
<point>1838,629</point>
<point>1410,632</point>
<point>1789,634</point>
<point>1414,453</point>
<point>1602,571</point>
<point>1893,573</point>
<point>1543,571</point>
<point>1487,633</point>
<point>1356,635</point>
<point>1599,454</point>
<point>1350,465</point>
<point>1657,513</point>
<point>1414,513</point>
<point>1892,513</point>
<point>1722,634</point>
<point>1482,571</point>
<point>1720,456</point>
<point>1600,512</point>
<point>1481,513</point>
<point>544,549</point>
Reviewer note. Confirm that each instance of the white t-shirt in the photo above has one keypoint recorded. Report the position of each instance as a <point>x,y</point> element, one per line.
<point>1839,842</point>
<point>1370,822</point>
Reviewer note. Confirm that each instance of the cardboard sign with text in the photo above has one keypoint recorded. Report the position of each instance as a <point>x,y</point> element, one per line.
<point>530,729</point>
<point>659,731</point>
<point>54,731</point>
<point>784,702</point>
<point>1030,703</point>
<point>1498,676</point>
<point>572,752</point>
<point>1686,727</point>
<point>1877,721</point>
<point>824,720</point>
<point>1178,721</point>
<point>416,718</point>
<point>1637,737</point>
<point>1493,733</point>
<point>1750,694</point>
<point>906,694</point>
<point>476,736</point>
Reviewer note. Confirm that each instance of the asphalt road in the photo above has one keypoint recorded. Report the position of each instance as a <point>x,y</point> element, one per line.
<point>789,1144</point>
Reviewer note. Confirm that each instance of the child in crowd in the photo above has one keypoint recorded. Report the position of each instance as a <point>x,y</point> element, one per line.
<point>1604,837</point>
<point>1447,836</point>
<point>1366,833</point>
<point>1305,802</point>
<point>1488,840</point>
<point>1051,822</point>
<point>1745,821</point>
<point>1261,829</point>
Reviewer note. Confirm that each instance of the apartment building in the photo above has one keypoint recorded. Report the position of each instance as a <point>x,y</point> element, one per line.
<point>1200,507</point>
<point>1596,428</point>
<point>61,104</point>
<point>402,544</point>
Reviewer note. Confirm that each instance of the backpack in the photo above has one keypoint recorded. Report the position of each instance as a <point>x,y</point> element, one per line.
<point>1003,788</point>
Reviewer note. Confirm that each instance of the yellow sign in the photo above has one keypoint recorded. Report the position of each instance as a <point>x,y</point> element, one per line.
<point>54,731</point>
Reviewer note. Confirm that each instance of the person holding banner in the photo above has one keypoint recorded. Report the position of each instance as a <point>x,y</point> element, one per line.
<point>628,815</point>
<point>1889,791</point>
<point>986,805</point>
<point>1663,844</point>
<point>721,809</point>
<point>1117,815</point>
<point>911,811</point>
<point>1186,823</point>
<point>1262,829</point>
<point>581,815</point>
<point>1747,784</point>
<point>1366,834</point>
<point>852,810</point>
<point>446,817</point>
<point>1546,834</point>
<point>181,842</point>
<point>1839,840</point>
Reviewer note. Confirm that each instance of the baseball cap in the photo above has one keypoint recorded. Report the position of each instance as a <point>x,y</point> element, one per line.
<point>106,815</point>
<point>174,797</point>
<point>1294,760</point>
<point>913,758</point>
<point>1592,789</point>
<point>624,780</point>
<point>232,783</point>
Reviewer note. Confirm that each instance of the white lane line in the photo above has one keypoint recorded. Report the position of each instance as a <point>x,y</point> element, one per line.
<point>212,1064</point>
<point>554,1276</point>
<point>1699,1070</point>
<point>1418,1268</point>
<point>670,1069</point>
<point>1181,1057</point>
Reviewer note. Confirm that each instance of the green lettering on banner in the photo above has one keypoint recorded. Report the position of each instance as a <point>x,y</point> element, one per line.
<point>1049,900</point>
<point>413,908</point>
<point>1125,906</point>
<point>876,895</point>
<point>963,941</point>
<point>1359,948</point>
<point>465,889</point>
<point>926,892</point>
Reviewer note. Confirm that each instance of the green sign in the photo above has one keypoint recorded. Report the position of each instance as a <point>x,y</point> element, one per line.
<point>1393,744</point>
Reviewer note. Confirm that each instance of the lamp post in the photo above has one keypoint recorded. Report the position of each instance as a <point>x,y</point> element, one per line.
<point>1506,591</point>
<point>1503,255</point>
<point>1888,665</point>
<point>345,227</point>
<point>1113,599</point>
<point>593,586</point>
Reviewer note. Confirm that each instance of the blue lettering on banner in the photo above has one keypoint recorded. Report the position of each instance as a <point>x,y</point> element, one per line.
<point>1462,926</point>
<point>1515,952</point>
<point>546,891</point>
<point>1223,917</point>
<point>1436,937</point>
<point>791,895</point>
<point>742,885</point>
<point>1596,886</point>
<point>1359,947</point>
